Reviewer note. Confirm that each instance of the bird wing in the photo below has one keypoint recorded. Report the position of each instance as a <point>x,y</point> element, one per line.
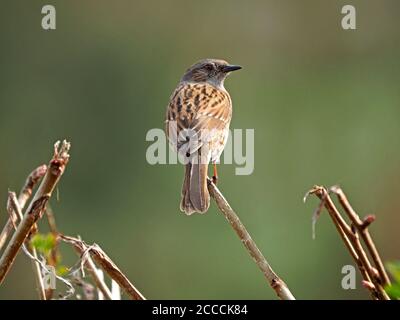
<point>197,110</point>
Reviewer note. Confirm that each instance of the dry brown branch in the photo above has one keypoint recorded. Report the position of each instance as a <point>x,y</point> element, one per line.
<point>27,227</point>
<point>54,254</point>
<point>99,282</point>
<point>15,210</point>
<point>37,270</point>
<point>30,183</point>
<point>89,264</point>
<point>8,228</point>
<point>352,241</point>
<point>339,222</point>
<point>51,220</point>
<point>274,281</point>
<point>362,228</point>
<point>23,197</point>
<point>93,271</point>
<point>36,207</point>
<point>101,258</point>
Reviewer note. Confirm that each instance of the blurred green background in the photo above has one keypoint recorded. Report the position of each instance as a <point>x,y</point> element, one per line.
<point>324,103</point>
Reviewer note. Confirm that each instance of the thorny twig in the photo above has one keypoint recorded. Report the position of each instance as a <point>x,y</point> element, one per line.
<point>274,280</point>
<point>371,277</point>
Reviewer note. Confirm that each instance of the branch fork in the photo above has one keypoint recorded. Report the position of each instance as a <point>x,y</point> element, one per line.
<point>25,226</point>
<point>374,274</point>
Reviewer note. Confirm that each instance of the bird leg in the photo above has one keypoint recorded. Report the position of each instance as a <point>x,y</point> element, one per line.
<point>215,174</point>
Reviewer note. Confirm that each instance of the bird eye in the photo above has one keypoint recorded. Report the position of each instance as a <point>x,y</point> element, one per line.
<point>209,66</point>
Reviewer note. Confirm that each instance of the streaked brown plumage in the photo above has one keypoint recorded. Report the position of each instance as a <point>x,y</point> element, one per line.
<point>197,126</point>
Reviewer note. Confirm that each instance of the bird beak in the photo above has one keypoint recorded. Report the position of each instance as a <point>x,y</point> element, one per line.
<point>230,68</point>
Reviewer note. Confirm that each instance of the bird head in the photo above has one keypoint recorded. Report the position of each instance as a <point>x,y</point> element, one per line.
<point>213,71</point>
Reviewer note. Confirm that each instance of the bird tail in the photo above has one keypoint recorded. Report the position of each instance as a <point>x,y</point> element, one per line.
<point>195,195</point>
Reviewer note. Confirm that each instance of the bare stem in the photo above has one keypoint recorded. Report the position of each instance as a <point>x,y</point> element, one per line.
<point>23,197</point>
<point>30,183</point>
<point>38,275</point>
<point>91,267</point>
<point>362,228</point>
<point>36,207</point>
<point>14,208</point>
<point>352,241</point>
<point>342,228</point>
<point>89,264</point>
<point>274,281</point>
<point>101,258</point>
<point>54,254</point>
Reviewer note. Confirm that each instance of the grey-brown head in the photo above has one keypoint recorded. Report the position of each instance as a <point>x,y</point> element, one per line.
<point>213,71</point>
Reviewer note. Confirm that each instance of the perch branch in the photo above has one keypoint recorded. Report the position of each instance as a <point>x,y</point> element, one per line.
<point>101,258</point>
<point>23,197</point>
<point>36,207</point>
<point>352,241</point>
<point>274,281</point>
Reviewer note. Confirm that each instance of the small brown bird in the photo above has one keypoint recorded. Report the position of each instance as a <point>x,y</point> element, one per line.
<point>197,126</point>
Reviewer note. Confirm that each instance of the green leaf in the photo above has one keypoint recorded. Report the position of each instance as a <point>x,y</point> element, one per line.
<point>61,270</point>
<point>393,291</point>
<point>394,269</point>
<point>43,243</point>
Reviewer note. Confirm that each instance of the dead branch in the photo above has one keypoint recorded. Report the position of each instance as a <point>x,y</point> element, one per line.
<point>36,207</point>
<point>94,273</point>
<point>23,197</point>
<point>352,241</point>
<point>339,224</point>
<point>101,258</point>
<point>274,281</point>
<point>89,264</point>
<point>362,228</point>
<point>30,183</point>
<point>54,254</point>
<point>14,209</point>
